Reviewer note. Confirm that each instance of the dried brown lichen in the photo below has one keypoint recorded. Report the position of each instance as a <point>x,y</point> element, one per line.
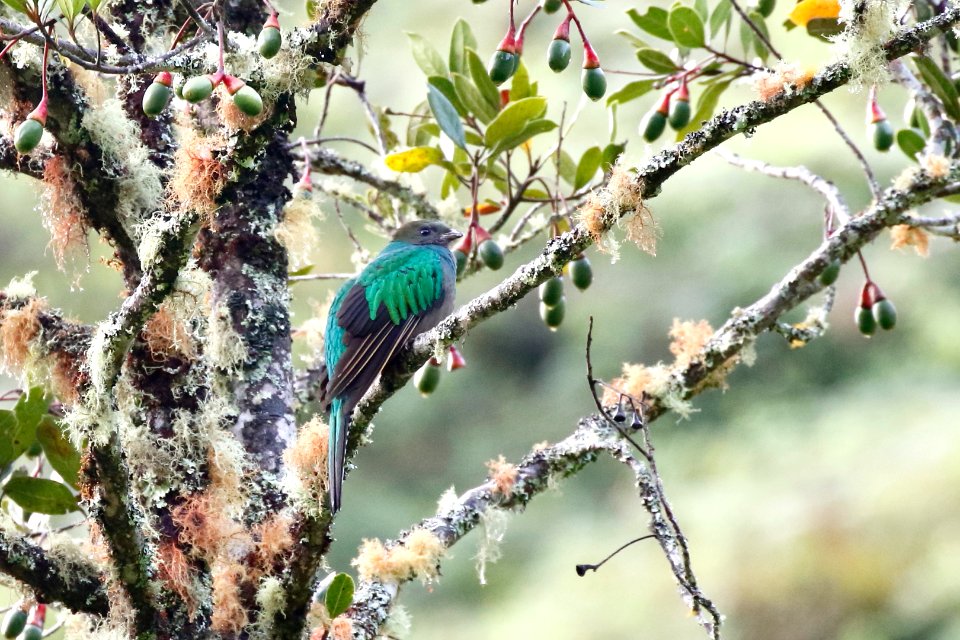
<point>233,118</point>
<point>503,475</point>
<point>63,212</point>
<point>197,177</point>
<point>903,236</point>
<point>18,330</point>
<point>175,573</point>
<point>307,456</point>
<point>229,614</point>
<point>622,195</point>
<point>689,338</point>
<point>418,556</point>
<point>275,540</point>
<point>204,524</point>
<point>341,629</point>
<point>166,335</point>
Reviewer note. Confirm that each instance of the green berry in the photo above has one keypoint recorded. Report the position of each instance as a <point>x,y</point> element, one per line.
<point>552,6</point>
<point>268,42</point>
<point>594,82</point>
<point>491,254</point>
<point>461,259</point>
<point>652,125</point>
<point>248,101</point>
<point>882,132</point>
<point>679,114</point>
<point>502,66</point>
<point>28,135</point>
<point>155,99</point>
<point>581,273</point>
<point>885,314</point>
<point>197,89</point>
<point>32,632</point>
<point>14,622</point>
<point>551,292</point>
<point>553,316</point>
<point>558,55</point>
<point>829,275</point>
<point>865,321</point>
<point>766,7</point>
<point>427,378</point>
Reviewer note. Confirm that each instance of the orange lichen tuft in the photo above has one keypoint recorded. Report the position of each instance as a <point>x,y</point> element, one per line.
<point>341,629</point>
<point>418,556</point>
<point>688,339</point>
<point>233,118</point>
<point>18,330</point>
<point>166,335</point>
<point>67,377</point>
<point>275,539</point>
<point>634,381</point>
<point>592,216</point>
<point>204,524</point>
<point>785,77</point>
<point>229,614</point>
<point>197,177</point>
<point>503,474</point>
<point>622,196</point>
<point>934,165</point>
<point>176,575</point>
<point>63,212</point>
<point>903,235</point>
<point>308,457</point>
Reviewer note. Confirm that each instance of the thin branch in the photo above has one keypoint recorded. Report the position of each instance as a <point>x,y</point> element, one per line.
<point>943,134</point>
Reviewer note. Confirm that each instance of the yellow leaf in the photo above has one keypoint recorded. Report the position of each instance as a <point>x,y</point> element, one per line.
<point>414,160</point>
<point>808,10</point>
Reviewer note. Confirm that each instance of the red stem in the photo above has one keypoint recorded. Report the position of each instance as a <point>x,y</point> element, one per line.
<point>523,27</point>
<point>863,263</point>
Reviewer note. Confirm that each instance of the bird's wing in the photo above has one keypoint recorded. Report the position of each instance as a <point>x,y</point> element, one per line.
<point>381,312</point>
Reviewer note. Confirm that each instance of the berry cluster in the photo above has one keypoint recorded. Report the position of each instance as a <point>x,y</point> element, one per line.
<point>22,625</point>
<point>553,303</point>
<point>674,107</point>
<point>427,377</point>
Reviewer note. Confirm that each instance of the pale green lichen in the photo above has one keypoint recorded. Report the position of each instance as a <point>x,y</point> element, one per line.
<point>271,597</point>
<point>297,232</point>
<point>21,288</point>
<point>869,24</point>
<point>493,529</point>
<point>398,625</point>
<point>225,348</point>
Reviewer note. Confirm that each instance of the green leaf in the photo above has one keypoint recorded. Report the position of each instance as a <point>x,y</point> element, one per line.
<point>513,119</point>
<point>911,143</point>
<point>413,160</point>
<point>702,9</point>
<point>10,450</point>
<point>40,495</point>
<point>823,28</point>
<point>520,84</point>
<point>758,43</point>
<point>17,5</point>
<point>60,452</point>
<point>941,85</point>
<point>30,408</point>
<point>426,57</point>
<point>531,129</point>
<point>611,153</point>
<point>654,22</point>
<point>449,185</point>
<point>632,39</point>
<point>445,86</point>
<point>446,116</point>
<point>587,167</point>
<point>706,105</point>
<point>720,16</point>
<point>567,168</point>
<point>339,595</point>
<point>71,8</point>
<point>478,72</point>
<point>299,272</point>
<point>631,91</point>
<point>461,39</point>
<point>686,26</point>
<point>656,61</point>
<point>472,100</point>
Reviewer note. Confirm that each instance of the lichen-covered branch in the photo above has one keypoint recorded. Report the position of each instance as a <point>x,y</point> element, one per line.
<point>79,586</point>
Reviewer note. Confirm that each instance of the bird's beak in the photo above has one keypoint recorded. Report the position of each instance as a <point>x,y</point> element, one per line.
<point>450,236</point>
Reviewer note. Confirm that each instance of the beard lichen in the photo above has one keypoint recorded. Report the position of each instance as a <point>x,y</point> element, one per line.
<point>296,232</point>
<point>611,205</point>
<point>493,529</point>
<point>62,212</point>
<point>868,26</point>
<point>417,556</point>
<point>306,459</point>
<point>197,176</point>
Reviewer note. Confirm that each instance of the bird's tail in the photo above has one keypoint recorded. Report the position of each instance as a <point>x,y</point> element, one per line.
<point>337,451</point>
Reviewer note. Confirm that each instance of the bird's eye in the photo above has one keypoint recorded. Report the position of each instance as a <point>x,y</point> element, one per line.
<point>425,231</point>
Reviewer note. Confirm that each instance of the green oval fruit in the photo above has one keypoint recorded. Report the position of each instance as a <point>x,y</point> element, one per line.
<point>882,132</point>
<point>248,101</point>
<point>553,316</point>
<point>461,259</point>
<point>866,323</point>
<point>268,42</point>
<point>766,7</point>
<point>885,314</point>
<point>829,275</point>
<point>32,632</point>
<point>551,292</point>
<point>155,99</point>
<point>581,273</point>
<point>197,88</point>
<point>28,135</point>
<point>14,622</point>
<point>427,378</point>
<point>558,55</point>
<point>652,125</point>
<point>491,254</point>
<point>594,83</point>
<point>502,66</point>
<point>552,6</point>
<point>679,114</point>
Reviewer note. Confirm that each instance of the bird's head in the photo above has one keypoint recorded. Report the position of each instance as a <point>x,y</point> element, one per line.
<point>426,232</point>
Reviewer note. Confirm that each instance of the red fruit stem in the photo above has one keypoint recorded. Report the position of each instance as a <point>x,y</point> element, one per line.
<point>664,106</point>
<point>465,245</point>
<point>572,15</point>
<point>875,113</point>
<point>523,27</point>
<point>165,78</point>
<point>40,112</point>
<point>232,83</point>
<point>457,361</point>
<point>863,265</point>
<point>590,59</point>
<point>306,183</point>
<point>682,92</point>
<point>433,361</point>
<point>272,9</point>
<point>867,297</point>
<point>481,234</point>
<point>563,30</point>
<point>39,615</point>
<point>509,42</point>
<point>272,22</point>
<point>179,36</point>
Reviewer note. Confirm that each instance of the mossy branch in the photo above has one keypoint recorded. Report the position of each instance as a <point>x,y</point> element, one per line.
<point>78,585</point>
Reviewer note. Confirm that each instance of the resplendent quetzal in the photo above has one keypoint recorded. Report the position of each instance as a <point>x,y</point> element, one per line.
<point>404,291</point>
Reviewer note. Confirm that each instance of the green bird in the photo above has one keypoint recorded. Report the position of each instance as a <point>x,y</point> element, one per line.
<point>406,290</point>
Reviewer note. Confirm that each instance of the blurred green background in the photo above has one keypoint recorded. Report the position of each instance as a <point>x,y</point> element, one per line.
<point>820,493</point>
